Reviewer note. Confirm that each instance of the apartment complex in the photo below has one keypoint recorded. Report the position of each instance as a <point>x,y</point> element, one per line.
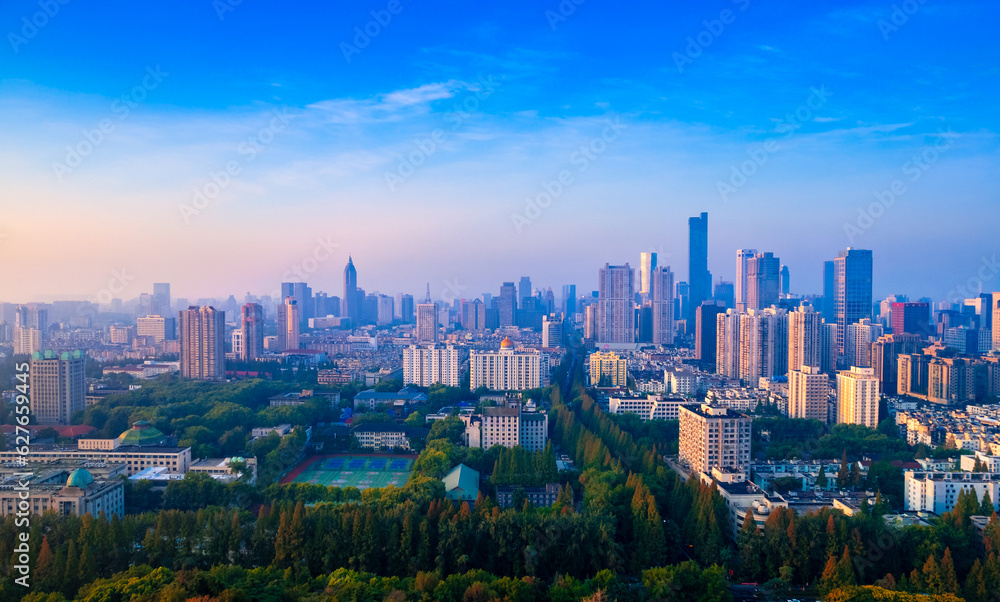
<point>511,426</point>
<point>203,345</point>
<point>858,394</point>
<point>428,365</point>
<point>58,385</point>
<point>508,369</point>
<point>608,369</point>
<point>714,437</point>
<point>808,393</point>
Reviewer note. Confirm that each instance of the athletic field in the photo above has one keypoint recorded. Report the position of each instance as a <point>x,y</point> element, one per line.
<point>355,471</point>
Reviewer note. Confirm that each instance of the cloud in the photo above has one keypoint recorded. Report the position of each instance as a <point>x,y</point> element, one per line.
<point>388,107</point>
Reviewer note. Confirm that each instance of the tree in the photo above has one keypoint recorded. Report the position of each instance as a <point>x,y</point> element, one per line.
<point>844,474</point>
<point>821,480</point>
<point>949,581</point>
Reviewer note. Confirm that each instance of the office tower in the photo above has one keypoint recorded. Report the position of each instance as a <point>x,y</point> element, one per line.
<point>727,344</point>
<point>121,335</point>
<point>305,303</point>
<point>549,300</point>
<point>647,263</point>
<point>529,315</point>
<point>161,298</point>
<point>386,310</point>
<point>473,315</point>
<point>828,347</point>
<point>433,364</point>
<point>203,343</point>
<point>590,322</point>
<point>552,331</point>
<point>829,291</point>
<point>58,385</point>
<point>406,309</point>
<point>31,324</point>
<point>852,290</point>
<point>369,308</point>
<point>743,257</point>
<point>644,323</point>
<point>508,369</point>
<point>158,327</point>
<point>252,329</point>
<point>725,294</point>
<point>982,306</point>
<point>507,304</point>
<point>808,393</point>
<point>699,279</point>
<point>607,369</point>
<point>569,300</point>
<point>858,343</point>
<point>763,280</point>
<point>857,397</point>
<point>714,437</point>
<point>681,298</point>
<point>523,290</point>
<point>350,302</point>
<point>911,318</point>
<point>706,333</point>
<point>805,327</point>
<point>427,323</point>
<point>615,301</point>
<point>785,282</point>
<point>661,292</point>
<point>288,324</point>
<point>885,356</point>
<point>763,344</point>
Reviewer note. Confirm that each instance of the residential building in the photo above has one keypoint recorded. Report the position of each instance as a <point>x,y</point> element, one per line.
<point>508,369</point>
<point>714,437</point>
<point>858,342</point>
<point>805,327</point>
<point>858,395</point>
<point>727,344</point>
<point>158,327</point>
<point>203,345</point>
<point>743,257</point>
<point>661,292</point>
<point>808,393</point>
<point>763,281</point>
<point>427,365</point>
<point>763,344</point>
<point>58,385</point>
<point>651,407</point>
<point>510,426</point>
<point>615,302</point>
<point>252,333</point>
<point>608,369</point>
<point>427,323</point>
<point>937,492</point>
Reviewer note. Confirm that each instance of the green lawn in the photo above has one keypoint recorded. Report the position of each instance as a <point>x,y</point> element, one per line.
<point>357,471</point>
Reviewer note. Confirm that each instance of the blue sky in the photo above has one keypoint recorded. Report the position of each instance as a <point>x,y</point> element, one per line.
<point>239,139</point>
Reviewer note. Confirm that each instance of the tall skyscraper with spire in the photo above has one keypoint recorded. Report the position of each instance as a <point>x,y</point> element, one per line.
<point>351,304</point>
<point>699,279</point>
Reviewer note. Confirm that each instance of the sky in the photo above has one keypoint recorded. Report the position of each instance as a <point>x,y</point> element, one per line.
<point>225,146</point>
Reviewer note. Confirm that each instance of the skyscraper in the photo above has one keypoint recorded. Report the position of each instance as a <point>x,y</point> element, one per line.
<point>727,345</point>
<point>763,344</point>
<point>31,324</point>
<point>699,279</point>
<point>911,318</point>
<point>852,290</point>
<point>203,343</point>
<point>885,357</point>
<point>507,304</point>
<point>351,303</point>
<point>857,397</point>
<point>763,280</point>
<point>743,256</point>
<point>305,303</point>
<point>386,309</point>
<point>706,334</point>
<point>427,323</point>
<point>829,292</point>
<point>615,305</point>
<point>996,321</point>
<point>858,343</point>
<point>785,282</point>
<point>569,299</point>
<point>161,298</point>
<point>473,315</point>
<point>58,386</point>
<point>647,263</point>
<point>252,328</point>
<point>661,291</point>
<point>805,328</point>
<point>406,309</point>
<point>725,294</point>
<point>523,290</point>
<point>808,393</point>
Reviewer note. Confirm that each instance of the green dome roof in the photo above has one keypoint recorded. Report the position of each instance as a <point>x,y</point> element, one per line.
<point>80,478</point>
<point>141,433</point>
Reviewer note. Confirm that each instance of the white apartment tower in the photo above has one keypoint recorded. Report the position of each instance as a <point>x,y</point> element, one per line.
<point>425,366</point>
<point>808,393</point>
<point>857,397</point>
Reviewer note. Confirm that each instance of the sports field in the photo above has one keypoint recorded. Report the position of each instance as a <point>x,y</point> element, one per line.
<point>356,471</point>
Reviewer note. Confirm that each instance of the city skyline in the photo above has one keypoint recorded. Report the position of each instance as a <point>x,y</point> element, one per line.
<point>325,136</point>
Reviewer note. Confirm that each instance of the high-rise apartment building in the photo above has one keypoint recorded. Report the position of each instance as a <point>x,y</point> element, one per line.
<point>252,333</point>
<point>763,280</point>
<point>615,305</point>
<point>858,343</point>
<point>727,344</point>
<point>386,310</point>
<point>427,323</point>
<point>828,347</point>
<point>706,332</point>
<point>743,257</point>
<point>661,292</point>
<point>203,343</point>
<point>306,304</point>
<point>852,290</point>
<point>159,327</point>
<point>808,393</point>
<point>432,364</point>
<point>805,326</point>
<point>858,394</point>
<point>31,325</point>
<point>58,385</point>
<point>763,345</point>
<point>288,324</point>
<point>647,263</point>
<point>714,437</point>
<point>508,369</point>
<point>699,278</point>
<point>552,330</point>
<point>608,369</point>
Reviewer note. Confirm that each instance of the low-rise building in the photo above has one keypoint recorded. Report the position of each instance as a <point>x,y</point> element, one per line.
<point>542,497</point>
<point>937,492</point>
<point>386,435</point>
<point>73,493</point>
<point>461,484</point>
<point>651,407</point>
